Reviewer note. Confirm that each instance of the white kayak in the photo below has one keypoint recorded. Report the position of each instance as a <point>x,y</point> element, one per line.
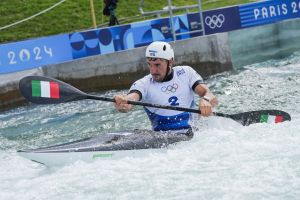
<point>105,146</point>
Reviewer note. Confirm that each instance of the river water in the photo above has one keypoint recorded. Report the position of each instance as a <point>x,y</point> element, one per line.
<point>223,161</point>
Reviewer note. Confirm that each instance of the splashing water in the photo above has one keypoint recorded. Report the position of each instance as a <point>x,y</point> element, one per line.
<point>224,160</point>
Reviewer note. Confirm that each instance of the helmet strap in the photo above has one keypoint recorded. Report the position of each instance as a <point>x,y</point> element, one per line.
<point>167,72</point>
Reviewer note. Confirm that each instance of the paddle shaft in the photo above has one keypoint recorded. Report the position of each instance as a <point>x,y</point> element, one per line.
<point>155,105</point>
<point>145,104</point>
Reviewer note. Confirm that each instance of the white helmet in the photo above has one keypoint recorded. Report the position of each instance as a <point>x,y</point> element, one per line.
<point>160,50</point>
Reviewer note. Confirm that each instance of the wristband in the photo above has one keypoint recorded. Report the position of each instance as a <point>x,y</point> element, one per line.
<point>206,98</point>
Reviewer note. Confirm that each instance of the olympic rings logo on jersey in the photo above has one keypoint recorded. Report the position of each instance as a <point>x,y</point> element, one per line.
<point>215,21</point>
<point>170,88</point>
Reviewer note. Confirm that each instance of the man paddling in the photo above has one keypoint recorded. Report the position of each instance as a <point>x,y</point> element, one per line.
<point>167,85</point>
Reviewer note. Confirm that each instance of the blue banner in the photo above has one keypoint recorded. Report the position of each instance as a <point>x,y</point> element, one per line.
<point>113,39</point>
<point>118,38</point>
<point>221,20</point>
<point>268,12</point>
<point>34,53</point>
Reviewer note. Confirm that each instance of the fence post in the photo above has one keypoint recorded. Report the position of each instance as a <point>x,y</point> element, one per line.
<point>171,18</point>
<point>93,14</point>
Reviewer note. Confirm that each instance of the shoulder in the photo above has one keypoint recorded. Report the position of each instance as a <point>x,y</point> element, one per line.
<point>184,69</point>
<point>144,79</point>
<point>188,74</point>
<point>142,82</point>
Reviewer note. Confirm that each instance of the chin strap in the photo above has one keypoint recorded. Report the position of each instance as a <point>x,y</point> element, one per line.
<point>167,72</point>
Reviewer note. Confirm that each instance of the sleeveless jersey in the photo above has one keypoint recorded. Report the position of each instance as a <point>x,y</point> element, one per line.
<point>176,92</point>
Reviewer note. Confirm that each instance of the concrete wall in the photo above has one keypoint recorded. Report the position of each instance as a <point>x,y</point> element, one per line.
<point>262,43</point>
<point>208,55</point>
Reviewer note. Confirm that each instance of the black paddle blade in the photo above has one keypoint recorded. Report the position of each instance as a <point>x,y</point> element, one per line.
<point>46,90</point>
<point>260,116</point>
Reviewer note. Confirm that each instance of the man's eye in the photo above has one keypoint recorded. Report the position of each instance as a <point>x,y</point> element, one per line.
<point>157,65</point>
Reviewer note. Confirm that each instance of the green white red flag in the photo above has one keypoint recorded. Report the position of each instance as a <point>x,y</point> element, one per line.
<point>271,118</point>
<point>46,89</point>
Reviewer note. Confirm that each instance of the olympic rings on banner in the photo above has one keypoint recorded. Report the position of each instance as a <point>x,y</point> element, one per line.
<point>215,21</point>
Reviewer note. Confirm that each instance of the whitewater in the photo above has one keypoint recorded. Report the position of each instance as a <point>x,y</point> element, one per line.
<point>224,160</point>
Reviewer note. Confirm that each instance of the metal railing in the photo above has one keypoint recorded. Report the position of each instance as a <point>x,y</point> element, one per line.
<point>158,13</point>
<point>170,9</point>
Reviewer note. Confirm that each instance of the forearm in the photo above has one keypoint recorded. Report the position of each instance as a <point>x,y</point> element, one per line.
<point>121,101</point>
<point>203,91</point>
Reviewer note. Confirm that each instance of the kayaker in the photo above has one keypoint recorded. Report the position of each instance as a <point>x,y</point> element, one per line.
<point>167,85</point>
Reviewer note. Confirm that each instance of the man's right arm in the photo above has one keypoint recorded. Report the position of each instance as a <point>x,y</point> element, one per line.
<point>121,101</point>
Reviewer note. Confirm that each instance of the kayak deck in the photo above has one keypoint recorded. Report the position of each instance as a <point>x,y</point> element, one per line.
<point>104,146</point>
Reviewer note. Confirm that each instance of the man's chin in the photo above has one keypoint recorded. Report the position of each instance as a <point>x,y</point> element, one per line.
<point>157,78</point>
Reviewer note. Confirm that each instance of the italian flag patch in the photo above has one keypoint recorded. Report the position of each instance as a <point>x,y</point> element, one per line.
<point>271,118</point>
<point>45,89</point>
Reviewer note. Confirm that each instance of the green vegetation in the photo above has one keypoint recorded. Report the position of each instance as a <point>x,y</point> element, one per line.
<point>75,15</point>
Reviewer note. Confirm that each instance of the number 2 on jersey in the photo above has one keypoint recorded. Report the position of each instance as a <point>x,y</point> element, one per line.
<point>173,101</point>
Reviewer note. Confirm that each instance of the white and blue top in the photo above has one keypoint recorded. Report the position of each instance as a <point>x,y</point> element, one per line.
<point>175,91</point>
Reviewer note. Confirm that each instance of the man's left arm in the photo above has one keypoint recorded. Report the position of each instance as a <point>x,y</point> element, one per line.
<point>208,100</point>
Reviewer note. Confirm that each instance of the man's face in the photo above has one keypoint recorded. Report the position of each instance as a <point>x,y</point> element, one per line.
<point>158,68</point>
